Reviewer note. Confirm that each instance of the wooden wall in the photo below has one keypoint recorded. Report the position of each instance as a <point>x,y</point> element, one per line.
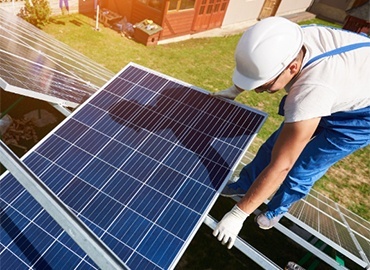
<point>141,12</point>
<point>123,8</point>
<point>177,24</point>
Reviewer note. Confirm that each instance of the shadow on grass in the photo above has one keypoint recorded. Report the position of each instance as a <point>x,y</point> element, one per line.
<point>55,21</point>
<point>76,22</point>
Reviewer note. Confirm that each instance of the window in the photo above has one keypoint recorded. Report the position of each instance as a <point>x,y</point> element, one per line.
<point>177,5</point>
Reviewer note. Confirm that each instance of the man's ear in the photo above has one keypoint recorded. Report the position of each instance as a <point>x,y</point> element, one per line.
<point>294,67</point>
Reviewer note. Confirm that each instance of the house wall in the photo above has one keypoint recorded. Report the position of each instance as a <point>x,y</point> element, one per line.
<point>123,8</point>
<point>141,12</point>
<point>12,7</point>
<point>75,6</point>
<point>251,9</point>
<point>293,6</point>
<point>177,23</point>
<point>240,11</point>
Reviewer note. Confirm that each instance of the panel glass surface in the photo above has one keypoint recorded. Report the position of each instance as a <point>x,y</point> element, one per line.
<point>347,232</point>
<point>141,163</point>
<point>36,65</point>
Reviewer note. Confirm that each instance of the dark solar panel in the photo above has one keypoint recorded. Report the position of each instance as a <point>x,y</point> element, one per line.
<point>140,163</point>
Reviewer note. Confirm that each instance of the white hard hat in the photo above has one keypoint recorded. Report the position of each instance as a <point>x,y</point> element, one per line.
<point>265,50</point>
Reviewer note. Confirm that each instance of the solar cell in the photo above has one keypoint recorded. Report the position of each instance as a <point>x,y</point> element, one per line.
<point>141,163</point>
<point>36,65</point>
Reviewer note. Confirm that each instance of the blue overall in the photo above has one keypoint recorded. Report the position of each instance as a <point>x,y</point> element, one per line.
<point>337,136</point>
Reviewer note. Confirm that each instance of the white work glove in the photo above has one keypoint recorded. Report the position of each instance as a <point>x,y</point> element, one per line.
<point>230,93</point>
<point>230,225</point>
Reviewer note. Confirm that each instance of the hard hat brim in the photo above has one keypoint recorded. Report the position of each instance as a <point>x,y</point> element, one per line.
<point>244,82</point>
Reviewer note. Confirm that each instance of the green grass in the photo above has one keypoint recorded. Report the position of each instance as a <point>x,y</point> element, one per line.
<point>208,63</point>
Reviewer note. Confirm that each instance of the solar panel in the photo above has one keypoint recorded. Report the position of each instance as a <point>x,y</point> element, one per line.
<point>36,65</point>
<point>338,227</point>
<point>141,163</point>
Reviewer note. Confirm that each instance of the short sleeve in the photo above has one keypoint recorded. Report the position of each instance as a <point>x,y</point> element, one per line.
<point>307,102</point>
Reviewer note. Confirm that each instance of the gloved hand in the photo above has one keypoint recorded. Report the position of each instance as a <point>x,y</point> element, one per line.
<point>230,93</point>
<point>230,225</point>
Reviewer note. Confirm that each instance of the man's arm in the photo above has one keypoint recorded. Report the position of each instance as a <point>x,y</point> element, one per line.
<point>289,145</point>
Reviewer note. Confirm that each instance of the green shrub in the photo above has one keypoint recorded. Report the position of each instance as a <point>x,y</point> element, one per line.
<point>36,12</point>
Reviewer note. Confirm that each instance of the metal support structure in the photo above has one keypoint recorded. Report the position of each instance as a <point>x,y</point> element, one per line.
<point>323,238</point>
<point>259,258</point>
<point>314,250</point>
<point>61,109</point>
<point>97,16</point>
<point>77,230</point>
<point>264,262</point>
<point>353,237</point>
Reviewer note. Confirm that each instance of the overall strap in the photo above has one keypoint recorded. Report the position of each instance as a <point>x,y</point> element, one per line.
<point>338,51</point>
<point>329,53</point>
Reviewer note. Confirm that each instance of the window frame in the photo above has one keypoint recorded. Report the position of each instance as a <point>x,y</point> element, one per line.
<point>178,6</point>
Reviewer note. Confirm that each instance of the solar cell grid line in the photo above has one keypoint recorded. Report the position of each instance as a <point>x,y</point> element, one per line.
<point>30,37</point>
<point>345,239</point>
<point>36,65</point>
<point>360,229</point>
<point>338,232</point>
<point>355,222</point>
<point>141,163</point>
<point>364,243</point>
<point>361,222</point>
<point>311,217</point>
<point>330,227</point>
<point>45,83</point>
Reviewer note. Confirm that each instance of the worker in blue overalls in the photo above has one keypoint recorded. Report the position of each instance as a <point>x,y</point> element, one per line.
<point>325,73</point>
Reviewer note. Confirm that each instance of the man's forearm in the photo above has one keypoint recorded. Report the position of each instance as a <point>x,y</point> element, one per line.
<point>266,184</point>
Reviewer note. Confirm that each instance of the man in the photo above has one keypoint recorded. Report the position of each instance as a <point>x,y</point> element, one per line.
<point>66,4</point>
<point>325,73</point>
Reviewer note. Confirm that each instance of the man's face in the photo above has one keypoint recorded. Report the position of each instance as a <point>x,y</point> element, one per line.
<point>274,85</point>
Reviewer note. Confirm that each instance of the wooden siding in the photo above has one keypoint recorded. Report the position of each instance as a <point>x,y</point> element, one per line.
<point>357,25</point>
<point>141,12</point>
<point>121,7</point>
<point>177,24</point>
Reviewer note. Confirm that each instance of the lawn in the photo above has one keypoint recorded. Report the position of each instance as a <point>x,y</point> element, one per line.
<point>208,63</point>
